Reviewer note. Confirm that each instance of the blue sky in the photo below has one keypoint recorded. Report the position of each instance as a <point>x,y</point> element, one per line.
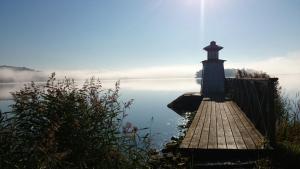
<point>136,34</point>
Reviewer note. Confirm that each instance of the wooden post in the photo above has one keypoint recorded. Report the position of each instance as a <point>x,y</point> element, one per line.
<point>273,115</point>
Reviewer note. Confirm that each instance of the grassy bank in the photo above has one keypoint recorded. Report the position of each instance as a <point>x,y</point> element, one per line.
<point>61,125</point>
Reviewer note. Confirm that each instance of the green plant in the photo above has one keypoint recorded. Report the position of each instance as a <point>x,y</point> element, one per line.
<point>287,151</point>
<point>286,155</point>
<point>288,127</point>
<point>61,125</point>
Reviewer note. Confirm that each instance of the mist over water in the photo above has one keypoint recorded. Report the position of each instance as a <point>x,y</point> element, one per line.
<point>290,84</point>
<point>9,75</point>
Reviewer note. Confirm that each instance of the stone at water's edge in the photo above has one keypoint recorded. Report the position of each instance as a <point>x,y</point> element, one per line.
<point>187,102</point>
<point>170,157</point>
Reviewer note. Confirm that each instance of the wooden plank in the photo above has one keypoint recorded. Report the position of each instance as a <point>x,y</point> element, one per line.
<point>248,135</point>
<point>220,128</point>
<point>198,130</point>
<point>257,133</point>
<point>244,133</point>
<point>230,142</point>
<point>256,136</point>
<point>189,134</point>
<point>221,125</point>
<point>212,139</point>
<point>247,120</point>
<point>205,131</point>
<point>236,133</point>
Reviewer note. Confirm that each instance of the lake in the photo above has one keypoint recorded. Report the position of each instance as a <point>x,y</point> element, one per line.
<point>151,97</point>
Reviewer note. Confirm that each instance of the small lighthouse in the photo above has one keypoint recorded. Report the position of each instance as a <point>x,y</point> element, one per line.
<point>213,76</point>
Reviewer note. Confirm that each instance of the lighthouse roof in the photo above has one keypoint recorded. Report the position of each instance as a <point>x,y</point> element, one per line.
<point>213,47</point>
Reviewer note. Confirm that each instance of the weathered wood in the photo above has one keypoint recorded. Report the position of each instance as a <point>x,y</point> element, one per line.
<point>256,97</point>
<point>245,135</point>
<point>220,128</point>
<point>213,139</point>
<point>253,133</point>
<point>221,125</point>
<point>234,128</point>
<point>227,129</point>
<point>205,130</point>
<point>189,135</point>
<point>198,128</point>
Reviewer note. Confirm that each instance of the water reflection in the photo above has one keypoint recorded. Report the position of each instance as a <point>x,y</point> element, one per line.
<point>7,88</point>
<point>177,84</point>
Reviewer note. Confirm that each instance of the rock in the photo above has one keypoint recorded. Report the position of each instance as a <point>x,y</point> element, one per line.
<point>153,152</point>
<point>171,146</point>
<point>184,159</point>
<point>181,164</point>
<point>154,162</point>
<point>155,157</point>
<point>170,155</point>
<point>167,166</point>
<point>165,150</point>
<point>174,138</point>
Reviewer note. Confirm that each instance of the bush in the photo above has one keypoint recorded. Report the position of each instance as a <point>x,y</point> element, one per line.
<point>243,73</point>
<point>60,125</point>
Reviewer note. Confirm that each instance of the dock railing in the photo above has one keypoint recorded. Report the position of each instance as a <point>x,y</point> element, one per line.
<point>256,96</point>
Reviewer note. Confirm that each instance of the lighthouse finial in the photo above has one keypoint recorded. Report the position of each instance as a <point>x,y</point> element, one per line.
<point>213,50</point>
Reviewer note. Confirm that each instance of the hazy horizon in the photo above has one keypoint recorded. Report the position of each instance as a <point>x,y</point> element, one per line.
<point>277,65</point>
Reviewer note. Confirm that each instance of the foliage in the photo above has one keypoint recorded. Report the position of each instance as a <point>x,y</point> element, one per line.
<point>286,155</point>
<point>287,150</point>
<point>288,122</point>
<point>242,73</point>
<point>60,125</point>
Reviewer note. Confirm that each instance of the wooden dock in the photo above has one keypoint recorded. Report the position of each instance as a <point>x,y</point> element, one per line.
<point>221,125</point>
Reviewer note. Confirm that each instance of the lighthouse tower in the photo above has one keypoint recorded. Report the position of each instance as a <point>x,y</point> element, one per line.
<point>213,77</point>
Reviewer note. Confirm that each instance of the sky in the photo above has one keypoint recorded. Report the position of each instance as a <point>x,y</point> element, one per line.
<point>149,36</point>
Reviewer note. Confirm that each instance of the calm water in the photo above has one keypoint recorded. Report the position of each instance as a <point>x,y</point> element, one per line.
<point>151,97</point>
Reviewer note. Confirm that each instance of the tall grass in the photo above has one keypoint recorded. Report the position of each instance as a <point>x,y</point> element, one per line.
<point>61,125</point>
<point>287,152</point>
<point>288,126</point>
